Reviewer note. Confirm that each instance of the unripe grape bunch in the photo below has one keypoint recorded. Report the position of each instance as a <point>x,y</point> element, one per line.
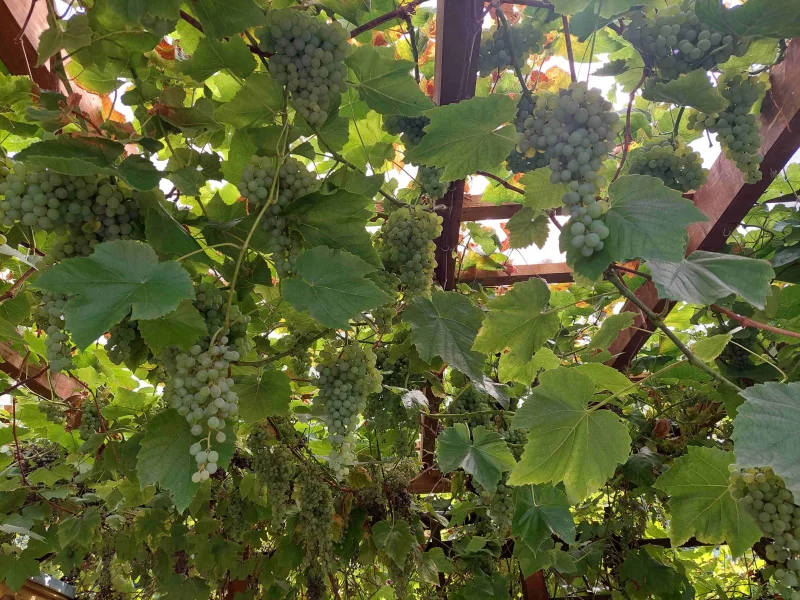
<point>495,50</point>
<point>212,303</point>
<point>347,377</point>
<point>676,42</point>
<point>470,401</point>
<point>430,178</point>
<point>674,163</point>
<point>308,58</point>
<point>199,388</point>
<point>772,505</point>
<point>125,342</point>
<point>529,159</point>
<point>294,181</point>
<point>49,317</point>
<point>410,129</point>
<point>406,247</point>
<point>275,466</point>
<point>737,127</point>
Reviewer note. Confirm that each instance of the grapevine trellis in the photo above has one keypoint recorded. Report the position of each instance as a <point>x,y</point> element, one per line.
<point>725,198</point>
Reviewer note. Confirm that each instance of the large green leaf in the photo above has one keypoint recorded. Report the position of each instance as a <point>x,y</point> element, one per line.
<point>485,456</point>
<point>693,89</point>
<point>539,512</point>
<point>567,440</point>
<point>266,396</point>
<point>755,18</point>
<point>257,103</point>
<point>526,228</point>
<point>705,277</point>
<point>700,503</point>
<point>331,286</point>
<point>74,155</point>
<point>516,321</point>
<point>445,326</point>
<point>385,83</point>
<point>182,328</point>
<point>169,237</point>
<point>609,330</point>
<point>223,18</point>
<point>336,220</point>
<point>72,34</point>
<point>119,277</point>
<point>646,219</point>
<point>513,367</point>
<point>212,56</point>
<point>395,539</point>
<point>16,569</point>
<point>765,430</point>
<point>164,457</point>
<point>540,193</point>
<point>653,579</point>
<point>466,137</point>
<point>608,8</point>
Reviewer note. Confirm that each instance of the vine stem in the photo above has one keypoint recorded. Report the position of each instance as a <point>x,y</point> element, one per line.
<point>476,413</point>
<point>11,292</point>
<point>501,181</point>
<point>748,322</point>
<point>614,279</point>
<point>398,13</point>
<point>570,56</point>
<point>628,137</point>
<point>412,38</point>
<point>514,60</point>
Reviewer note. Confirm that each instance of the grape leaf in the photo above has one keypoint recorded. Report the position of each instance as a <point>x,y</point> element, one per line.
<point>466,137</point>
<point>610,329</point>
<point>395,539</point>
<point>705,277</point>
<point>653,579</point>
<point>485,456</point>
<point>182,328</point>
<point>331,286</point>
<point>164,457</point>
<point>257,103</point>
<point>516,321</point>
<point>540,194</point>
<point>212,56</point>
<point>71,35</point>
<point>169,237</point>
<point>434,561</point>
<point>16,569</point>
<point>608,8</point>
<point>139,172</point>
<point>120,276</point>
<point>765,430</point>
<point>646,219</point>
<point>74,156</point>
<point>262,397</point>
<point>708,349</point>
<point>606,378</point>
<point>693,89</point>
<point>513,367</point>
<point>179,587</point>
<point>526,228</point>
<point>223,18</point>
<point>445,326</point>
<point>567,441</point>
<point>385,84</point>
<point>700,503</point>
<point>539,511</point>
<point>756,18</point>
<point>336,220</point>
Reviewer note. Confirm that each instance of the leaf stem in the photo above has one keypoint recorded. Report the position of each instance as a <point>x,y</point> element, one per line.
<point>677,126</point>
<point>748,322</point>
<point>614,279</point>
<point>628,137</point>
<point>514,61</point>
<point>568,41</point>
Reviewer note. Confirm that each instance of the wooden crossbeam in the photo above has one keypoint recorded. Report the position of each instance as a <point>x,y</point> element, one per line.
<point>550,272</point>
<point>726,198</point>
<point>475,209</point>
<point>47,385</point>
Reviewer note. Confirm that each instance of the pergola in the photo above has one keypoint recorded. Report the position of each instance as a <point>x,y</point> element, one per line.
<point>725,198</point>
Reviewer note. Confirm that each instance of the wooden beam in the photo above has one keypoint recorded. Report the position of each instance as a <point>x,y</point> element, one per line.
<point>550,272</point>
<point>726,198</point>
<point>47,385</point>
<point>474,209</point>
<point>458,33</point>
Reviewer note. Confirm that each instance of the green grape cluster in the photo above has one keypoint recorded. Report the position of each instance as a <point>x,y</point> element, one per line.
<point>677,42</point>
<point>275,466</point>
<point>675,164</point>
<point>235,521</point>
<point>495,50</point>
<point>471,400</point>
<point>199,388</point>
<point>410,129</point>
<point>90,418</point>
<point>294,180</point>
<point>52,411</point>
<point>49,317</point>
<point>736,127</point>
<point>573,131</point>
<point>347,377</point>
<point>430,179</point>
<point>82,211</point>
<point>406,247</point>
<point>500,504</point>
<point>298,364</point>
<point>125,343</point>
<point>529,160</point>
<point>314,516</point>
<point>772,505</point>
<point>383,316</point>
<point>308,58</point>
<point>516,438</point>
<point>212,302</point>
